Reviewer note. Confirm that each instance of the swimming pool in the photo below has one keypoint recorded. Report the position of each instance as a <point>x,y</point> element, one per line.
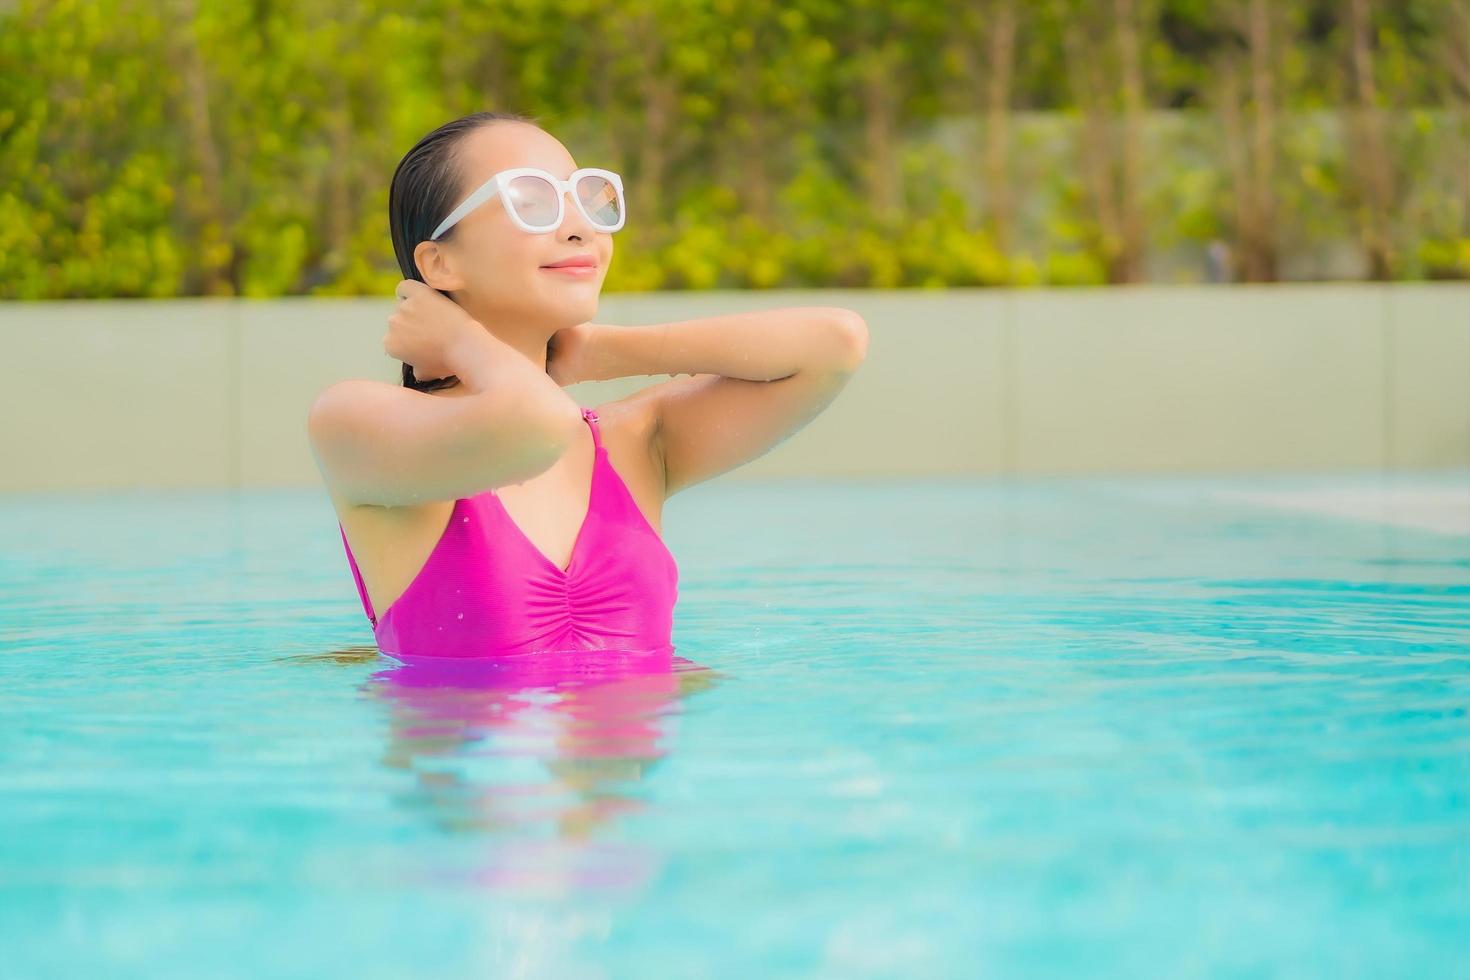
<point>1178,726</point>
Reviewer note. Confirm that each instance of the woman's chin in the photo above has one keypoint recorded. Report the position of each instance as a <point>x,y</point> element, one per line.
<point>573,298</point>
<point>566,314</point>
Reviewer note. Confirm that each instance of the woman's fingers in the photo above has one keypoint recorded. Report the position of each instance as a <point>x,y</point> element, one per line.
<point>409,288</point>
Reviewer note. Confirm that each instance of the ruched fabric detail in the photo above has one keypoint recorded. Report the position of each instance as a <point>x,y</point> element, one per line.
<point>487,591</point>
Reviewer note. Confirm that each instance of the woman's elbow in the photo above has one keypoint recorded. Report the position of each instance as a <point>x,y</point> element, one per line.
<point>852,338</point>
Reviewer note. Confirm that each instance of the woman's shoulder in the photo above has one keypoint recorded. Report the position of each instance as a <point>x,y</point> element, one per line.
<point>368,522</point>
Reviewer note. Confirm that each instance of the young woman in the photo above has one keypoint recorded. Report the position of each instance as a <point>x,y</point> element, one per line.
<point>485,513</point>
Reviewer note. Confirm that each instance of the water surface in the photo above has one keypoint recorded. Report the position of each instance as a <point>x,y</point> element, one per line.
<point>948,728</point>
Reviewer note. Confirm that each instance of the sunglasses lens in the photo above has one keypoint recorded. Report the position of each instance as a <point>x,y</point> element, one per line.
<point>601,198</point>
<point>534,199</point>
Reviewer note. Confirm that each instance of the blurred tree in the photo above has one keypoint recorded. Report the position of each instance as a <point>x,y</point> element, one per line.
<point>1371,168</point>
<point>1248,109</point>
<point>1107,87</point>
<point>984,42</point>
<point>244,147</point>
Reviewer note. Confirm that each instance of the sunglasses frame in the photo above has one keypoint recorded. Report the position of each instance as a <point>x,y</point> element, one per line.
<point>501,181</point>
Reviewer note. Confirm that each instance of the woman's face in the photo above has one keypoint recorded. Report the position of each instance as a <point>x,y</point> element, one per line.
<point>495,269</point>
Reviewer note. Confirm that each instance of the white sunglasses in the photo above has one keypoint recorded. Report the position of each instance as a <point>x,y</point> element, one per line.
<point>536,200</point>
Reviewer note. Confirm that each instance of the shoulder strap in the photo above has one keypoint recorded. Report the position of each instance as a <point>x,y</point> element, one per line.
<point>591,417</point>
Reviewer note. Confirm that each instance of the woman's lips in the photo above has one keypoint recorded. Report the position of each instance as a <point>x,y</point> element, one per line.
<point>575,271</point>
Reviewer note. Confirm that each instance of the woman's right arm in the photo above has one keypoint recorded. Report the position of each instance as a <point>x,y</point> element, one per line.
<point>383,444</point>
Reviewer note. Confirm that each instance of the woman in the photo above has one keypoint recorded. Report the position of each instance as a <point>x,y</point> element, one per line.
<point>483,512</point>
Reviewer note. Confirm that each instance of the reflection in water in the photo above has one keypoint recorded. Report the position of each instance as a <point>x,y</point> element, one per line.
<point>540,752</point>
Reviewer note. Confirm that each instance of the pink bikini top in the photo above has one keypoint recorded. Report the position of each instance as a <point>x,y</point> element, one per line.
<point>487,591</point>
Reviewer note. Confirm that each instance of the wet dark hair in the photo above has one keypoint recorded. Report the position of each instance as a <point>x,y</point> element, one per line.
<point>424,190</point>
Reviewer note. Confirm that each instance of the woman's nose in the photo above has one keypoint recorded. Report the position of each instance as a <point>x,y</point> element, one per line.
<point>573,214</point>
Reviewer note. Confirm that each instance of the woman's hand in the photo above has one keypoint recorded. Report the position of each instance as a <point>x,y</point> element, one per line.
<point>424,327</point>
<point>570,356</point>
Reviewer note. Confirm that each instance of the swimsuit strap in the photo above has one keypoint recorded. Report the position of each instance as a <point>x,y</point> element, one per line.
<point>591,418</point>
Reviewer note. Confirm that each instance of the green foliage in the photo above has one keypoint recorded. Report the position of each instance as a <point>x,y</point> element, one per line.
<point>206,147</point>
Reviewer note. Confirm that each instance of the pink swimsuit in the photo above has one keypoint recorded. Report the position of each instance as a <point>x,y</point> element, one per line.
<point>487,591</point>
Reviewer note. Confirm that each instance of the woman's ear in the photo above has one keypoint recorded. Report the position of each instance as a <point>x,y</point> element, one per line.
<point>436,267</point>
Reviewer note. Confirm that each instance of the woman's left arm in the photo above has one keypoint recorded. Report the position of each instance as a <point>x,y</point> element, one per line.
<point>758,378</point>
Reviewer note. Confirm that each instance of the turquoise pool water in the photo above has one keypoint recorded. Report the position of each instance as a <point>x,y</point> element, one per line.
<point>949,728</point>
